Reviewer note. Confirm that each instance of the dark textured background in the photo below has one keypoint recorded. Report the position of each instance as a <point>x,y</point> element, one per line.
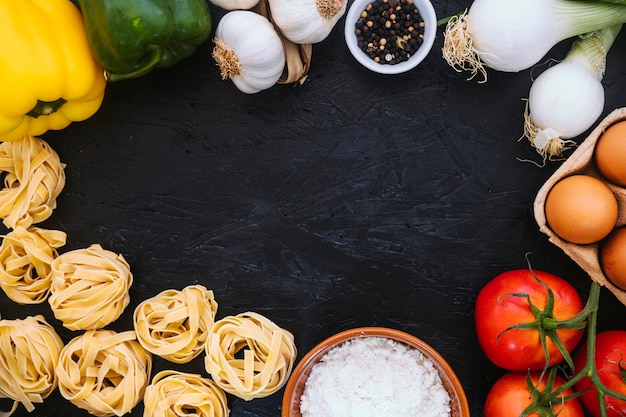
<point>352,200</point>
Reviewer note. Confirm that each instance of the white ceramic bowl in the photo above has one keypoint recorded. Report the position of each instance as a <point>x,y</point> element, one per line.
<point>430,30</point>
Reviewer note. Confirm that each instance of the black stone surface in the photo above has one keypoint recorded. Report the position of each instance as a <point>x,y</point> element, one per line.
<point>354,199</point>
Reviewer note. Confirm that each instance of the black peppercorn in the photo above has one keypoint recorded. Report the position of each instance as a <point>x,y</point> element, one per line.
<point>396,22</point>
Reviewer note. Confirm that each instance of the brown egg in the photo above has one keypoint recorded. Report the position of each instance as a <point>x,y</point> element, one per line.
<point>613,257</point>
<point>581,209</point>
<point>610,153</point>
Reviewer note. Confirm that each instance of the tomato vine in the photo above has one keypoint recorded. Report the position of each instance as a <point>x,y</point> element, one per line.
<point>588,316</point>
<point>545,323</point>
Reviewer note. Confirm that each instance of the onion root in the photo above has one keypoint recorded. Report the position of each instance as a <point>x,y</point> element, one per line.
<point>458,49</point>
<point>547,142</point>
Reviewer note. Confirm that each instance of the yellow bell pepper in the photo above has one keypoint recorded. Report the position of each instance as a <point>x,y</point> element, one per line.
<point>48,75</point>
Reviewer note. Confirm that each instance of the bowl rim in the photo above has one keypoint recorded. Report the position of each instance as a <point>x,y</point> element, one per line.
<point>427,11</point>
<point>446,372</point>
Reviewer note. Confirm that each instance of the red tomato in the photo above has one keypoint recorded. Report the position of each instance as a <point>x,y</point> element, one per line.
<point>510,395</point>
<point>520,350</point>
<point>610,360</point>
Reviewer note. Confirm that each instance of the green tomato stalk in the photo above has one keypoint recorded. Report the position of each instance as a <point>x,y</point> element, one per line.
<point>546,325</point>
<point>544,403</point>
<point>549,396</point>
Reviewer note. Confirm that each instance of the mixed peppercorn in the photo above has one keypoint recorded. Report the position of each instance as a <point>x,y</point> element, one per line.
<point>390,31</point>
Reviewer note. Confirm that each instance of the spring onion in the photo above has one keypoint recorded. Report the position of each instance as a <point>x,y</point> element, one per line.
<point>567,98</point>
<point>513,35</point>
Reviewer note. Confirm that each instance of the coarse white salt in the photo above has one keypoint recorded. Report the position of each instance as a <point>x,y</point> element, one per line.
<point>374,377</point>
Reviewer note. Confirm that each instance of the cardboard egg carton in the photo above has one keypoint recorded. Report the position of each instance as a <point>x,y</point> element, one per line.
<point>581,162</point>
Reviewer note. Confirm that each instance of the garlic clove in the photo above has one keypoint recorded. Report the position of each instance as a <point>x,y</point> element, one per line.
<point>248,51</point>
<point>235,4</point>
<point>306,21</point>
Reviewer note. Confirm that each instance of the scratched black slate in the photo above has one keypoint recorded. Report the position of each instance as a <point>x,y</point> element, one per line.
<point>351,200</point>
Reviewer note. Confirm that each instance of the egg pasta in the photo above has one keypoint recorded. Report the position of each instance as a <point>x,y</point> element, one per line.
<point>89,287</point>
<point>26,256</point>
<point>104,372</point>
<point>29,353</point>
<point>177,394</point>
<point>34,177</point>
<point>268,355</point>
<point>174,324</point>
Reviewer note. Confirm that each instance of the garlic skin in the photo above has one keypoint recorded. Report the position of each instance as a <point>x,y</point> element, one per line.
<point>306,21</point>
<point>235,4</point>
<point>248,51</point>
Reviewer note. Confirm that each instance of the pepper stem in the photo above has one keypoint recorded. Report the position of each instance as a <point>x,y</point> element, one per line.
<point>153,56</point>
<point>46,108</point>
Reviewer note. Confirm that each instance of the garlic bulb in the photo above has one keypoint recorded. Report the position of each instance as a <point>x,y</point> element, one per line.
<point>235,4</point>
<point>306,21</point>
<point>248,50</point>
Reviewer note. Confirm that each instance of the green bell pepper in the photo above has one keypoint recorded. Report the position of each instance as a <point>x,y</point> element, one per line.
<point>129,38</point>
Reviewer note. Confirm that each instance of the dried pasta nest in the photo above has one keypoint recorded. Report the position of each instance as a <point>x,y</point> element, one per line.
<point>33,179</point>
<point>104,372</point>
<point>297,56</point>
<point>175,324</point>
<point>89,287</point>
<point>174,394</point>
<point>249,356</point>
<point>29,353</point>
<point>26,256</point>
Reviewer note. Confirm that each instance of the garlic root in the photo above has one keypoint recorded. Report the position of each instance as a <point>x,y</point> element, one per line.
<point>328,9</point>
<point>226,60</point>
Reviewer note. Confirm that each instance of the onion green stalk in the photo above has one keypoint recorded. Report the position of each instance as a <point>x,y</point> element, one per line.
<point>513,35</point>
<point>568,98</point>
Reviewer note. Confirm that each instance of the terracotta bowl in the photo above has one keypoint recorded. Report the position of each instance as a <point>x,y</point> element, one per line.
<point>427,12</point>
<point>295,386</point>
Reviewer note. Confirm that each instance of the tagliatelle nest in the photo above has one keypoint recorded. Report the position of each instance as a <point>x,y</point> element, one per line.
<point>547,142</point>
<point>175,324</point>
<point>104,372</point>
<point>26,257</point>
<point>29,353</point>
<point>174,394</point>
<point>458,48</point>
<point>249,356</point>
<point>89,287</point>
<point>33,179</point>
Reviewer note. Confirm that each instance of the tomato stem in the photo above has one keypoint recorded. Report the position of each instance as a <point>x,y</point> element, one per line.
<point>547,326</point>
<point>544,402</point>
<point>590,315</point>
